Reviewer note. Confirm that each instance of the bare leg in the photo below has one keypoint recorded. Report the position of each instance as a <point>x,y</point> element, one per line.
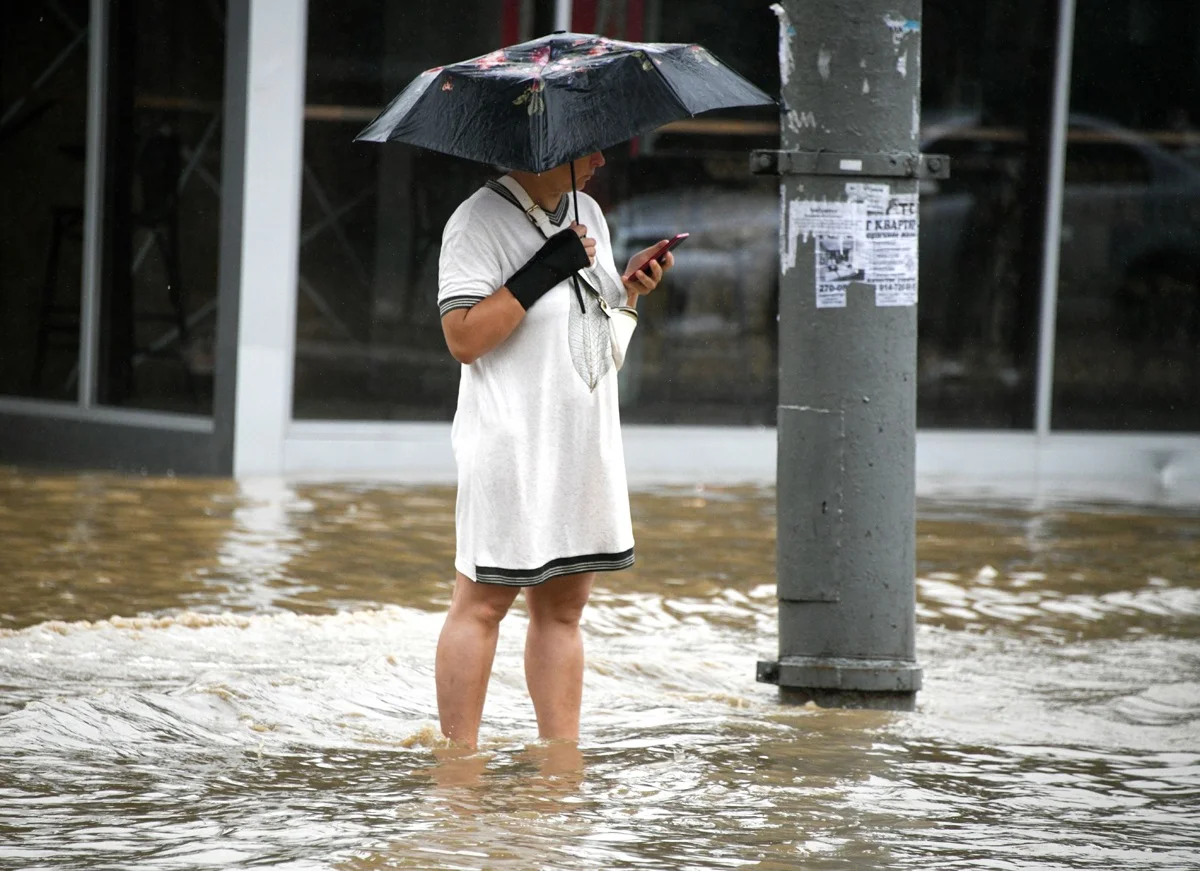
<point>554,653</point>
<point>465,652</point>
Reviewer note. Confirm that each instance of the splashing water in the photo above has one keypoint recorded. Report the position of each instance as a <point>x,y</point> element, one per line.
<point>196,674</point>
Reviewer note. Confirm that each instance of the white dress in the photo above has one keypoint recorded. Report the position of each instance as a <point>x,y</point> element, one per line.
<point>541,468</point>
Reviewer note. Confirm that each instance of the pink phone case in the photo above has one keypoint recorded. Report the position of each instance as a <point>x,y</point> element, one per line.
<point>662,251</point>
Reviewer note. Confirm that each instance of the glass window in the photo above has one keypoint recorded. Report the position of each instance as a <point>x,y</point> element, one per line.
<point>43,122</point>
<point>986,101</point>
<point>162,207</point>
<point>706,349</point>
<point>1127,351</point>
<point>369,342</point>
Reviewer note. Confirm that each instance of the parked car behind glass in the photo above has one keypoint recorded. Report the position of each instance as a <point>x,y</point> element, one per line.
<point>1130,250</point>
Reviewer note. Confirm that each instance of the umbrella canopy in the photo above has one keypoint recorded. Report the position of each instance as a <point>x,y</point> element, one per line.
<point>542,103</point>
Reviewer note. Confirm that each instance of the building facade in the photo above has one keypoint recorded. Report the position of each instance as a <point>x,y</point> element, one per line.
<point>202,272</point>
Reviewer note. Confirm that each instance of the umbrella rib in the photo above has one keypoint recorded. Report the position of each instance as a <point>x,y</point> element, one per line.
<point>675,93</point>
<point>670,86</point>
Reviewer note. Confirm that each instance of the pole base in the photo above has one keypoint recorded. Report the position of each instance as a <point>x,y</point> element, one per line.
<point>849,699</point>
<point>883,684</point>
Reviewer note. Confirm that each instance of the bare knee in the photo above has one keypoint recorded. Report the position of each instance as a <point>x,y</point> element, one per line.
<point>484,604</point>
<point>486,613</point>
<point>559,601</point>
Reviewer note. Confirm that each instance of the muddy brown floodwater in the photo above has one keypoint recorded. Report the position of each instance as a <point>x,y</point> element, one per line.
<point>202,674</point>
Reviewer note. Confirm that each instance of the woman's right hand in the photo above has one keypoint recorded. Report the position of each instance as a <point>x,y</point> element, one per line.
<point>589,244</point>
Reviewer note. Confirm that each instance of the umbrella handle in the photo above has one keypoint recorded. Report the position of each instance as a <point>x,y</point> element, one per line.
<point>575,199</point>
<point>574,193</point>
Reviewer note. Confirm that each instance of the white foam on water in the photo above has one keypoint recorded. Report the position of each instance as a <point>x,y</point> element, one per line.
<point>194,681</point>
<point>199,681</point>
<point>687,756</point>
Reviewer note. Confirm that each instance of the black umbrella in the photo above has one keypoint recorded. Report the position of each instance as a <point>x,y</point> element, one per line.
<point>543,103</point>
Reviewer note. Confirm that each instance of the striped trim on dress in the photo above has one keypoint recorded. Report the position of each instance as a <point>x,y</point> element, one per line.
<point>556,217</point>
<point>462,300</point>
<point>569,565</point>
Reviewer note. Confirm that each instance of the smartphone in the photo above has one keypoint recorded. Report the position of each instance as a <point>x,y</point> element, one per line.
<point>660,253</point>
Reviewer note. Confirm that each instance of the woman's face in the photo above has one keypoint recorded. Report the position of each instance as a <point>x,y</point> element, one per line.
<point>585,168</point>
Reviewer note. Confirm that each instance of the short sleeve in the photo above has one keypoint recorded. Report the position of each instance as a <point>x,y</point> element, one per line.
<point>469,267</point>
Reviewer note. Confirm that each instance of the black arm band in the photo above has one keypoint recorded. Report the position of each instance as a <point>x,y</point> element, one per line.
<point>561,257</point>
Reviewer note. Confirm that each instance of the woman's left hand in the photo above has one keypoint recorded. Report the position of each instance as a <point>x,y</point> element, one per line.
<point>638,282</point>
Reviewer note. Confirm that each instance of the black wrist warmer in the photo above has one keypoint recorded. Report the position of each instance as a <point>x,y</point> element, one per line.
<point>561,256</point>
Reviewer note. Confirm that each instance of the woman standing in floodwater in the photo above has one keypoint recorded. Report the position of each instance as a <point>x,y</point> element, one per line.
<point>542,502</point>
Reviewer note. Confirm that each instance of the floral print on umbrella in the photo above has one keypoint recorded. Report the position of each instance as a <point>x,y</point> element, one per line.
<point>532,98</point>
<point>490,61</point>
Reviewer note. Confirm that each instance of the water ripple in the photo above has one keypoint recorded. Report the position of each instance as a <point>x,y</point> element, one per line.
<point>201,674</point>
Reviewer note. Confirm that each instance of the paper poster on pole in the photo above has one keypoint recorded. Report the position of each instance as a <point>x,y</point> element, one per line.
<point>840,250</point>
<point>891,235</point>
<point>873,196</point>
<point>839,261</point>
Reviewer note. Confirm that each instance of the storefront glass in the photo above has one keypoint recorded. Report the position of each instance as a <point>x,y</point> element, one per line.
<point>369,345</point>
<point>368,340</point>
<point>987,84</point>
<point>43,123</point>
<point>1128,338</point>
<point>161,214</point>
<point>709,347</point>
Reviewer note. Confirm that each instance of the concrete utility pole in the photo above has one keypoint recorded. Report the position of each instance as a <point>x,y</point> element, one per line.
<point>851,72</point>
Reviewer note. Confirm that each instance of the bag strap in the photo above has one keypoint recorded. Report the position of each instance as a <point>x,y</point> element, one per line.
<point>520,198</point>
<point>509,188</point>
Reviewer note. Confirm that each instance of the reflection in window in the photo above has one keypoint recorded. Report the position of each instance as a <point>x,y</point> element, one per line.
<point>161,217</point>
<point>1128,333</point>
<point>707,349</point>
<point>43,106</point>
<point>368,340</point>
<point>986,78</point>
